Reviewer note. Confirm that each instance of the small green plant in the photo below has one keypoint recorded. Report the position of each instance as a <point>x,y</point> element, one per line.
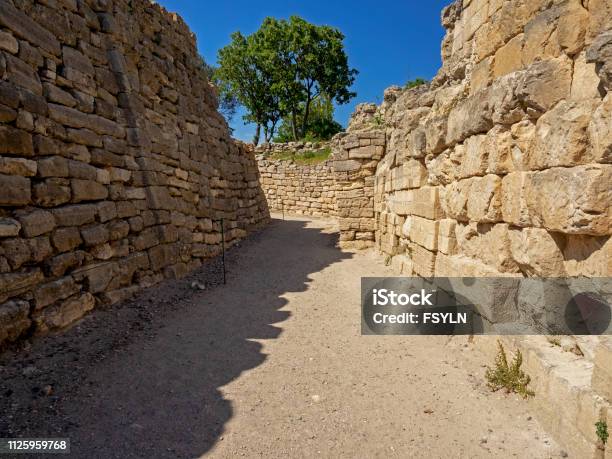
<point>601,429</point>
<point>378,120</point>
<point>415,83</point>
<point>388,259</point>
<point>508,376</point>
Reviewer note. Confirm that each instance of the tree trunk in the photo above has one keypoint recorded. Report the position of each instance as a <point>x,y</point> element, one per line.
<point>294,125</point>
<point>256,136</point>
<point>306,114</point>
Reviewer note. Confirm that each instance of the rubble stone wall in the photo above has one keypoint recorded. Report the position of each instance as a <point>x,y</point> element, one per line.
<point>115,166</point>
<point>291,147</point>
<point>299,189</point>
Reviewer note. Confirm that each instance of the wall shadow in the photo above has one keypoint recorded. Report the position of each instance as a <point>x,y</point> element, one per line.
<point>154,389</point>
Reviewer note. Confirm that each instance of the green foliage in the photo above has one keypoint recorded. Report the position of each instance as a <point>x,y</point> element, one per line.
<point>601,429</point>
<point>415,83</point>
<point>321,125</point>
<point>244,74</point>
<point>282,69</point>
<point>509,377</point>
<point>378,120</point>
<point>306,158</point>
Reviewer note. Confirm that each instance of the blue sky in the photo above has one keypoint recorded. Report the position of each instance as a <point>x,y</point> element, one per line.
<point>388,41</point>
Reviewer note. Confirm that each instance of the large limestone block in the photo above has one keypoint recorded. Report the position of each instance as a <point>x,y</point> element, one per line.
<point>443,168</point>
<point>51,292</point>
<point>474,160</point>
<point>422,231</point>
<point>509,57</point>
<point>588,256</point>
<point>585,80</point>
<point>425,202</point>
<point>411,174</point>
<point>487,243</point>
<point>541,36</point>
<point>14,320</point>
<point>572,27</point>
<point>60,316</point>
<point>455,199</point>
<point>462,266</point>
<point>484,199</point>
<point>545,83</point>
<point>447,242</point>
<point>561,137</point>
<point>423,260</point>
<point>572,200</point>
<point>515,188</point>
<point>536,252</point>
<point>600,12</point>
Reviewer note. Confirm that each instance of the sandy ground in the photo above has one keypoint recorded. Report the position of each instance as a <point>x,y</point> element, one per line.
<point>270,365</point>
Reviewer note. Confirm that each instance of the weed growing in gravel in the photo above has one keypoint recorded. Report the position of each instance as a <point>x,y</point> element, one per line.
<point>601,429</point>
<point>509,377</point>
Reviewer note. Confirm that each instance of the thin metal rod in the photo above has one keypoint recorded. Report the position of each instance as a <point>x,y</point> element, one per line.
<point>223,249</point>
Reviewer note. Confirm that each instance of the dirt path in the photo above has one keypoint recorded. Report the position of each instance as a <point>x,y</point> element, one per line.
<point>271,365</point>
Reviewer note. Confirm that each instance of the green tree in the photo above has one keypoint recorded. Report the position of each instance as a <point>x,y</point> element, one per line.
<point>282,69</point>
<point>244,74</point>
<point>321,125</point>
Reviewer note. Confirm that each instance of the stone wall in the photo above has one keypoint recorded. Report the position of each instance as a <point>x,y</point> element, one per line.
<point>356,155</point>
<point>291,147</point>
<point>115,166</point>
<point>298,189</point>
<point>501,167</point>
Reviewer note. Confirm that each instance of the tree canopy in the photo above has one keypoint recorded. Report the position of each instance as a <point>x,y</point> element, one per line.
<point>280,71</point>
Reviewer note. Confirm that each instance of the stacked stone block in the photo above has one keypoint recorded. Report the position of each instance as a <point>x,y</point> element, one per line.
<point>295,148</point>
<point>501,167</point>
<point>115,166</point>
<point>356,155</point>
<point>298,189</point>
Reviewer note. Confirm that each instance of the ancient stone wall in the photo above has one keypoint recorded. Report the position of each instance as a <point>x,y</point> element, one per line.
<point>298,189</point>
<point>356,155</point>
<point>501,167</point>
<point>115,166</point>
<point>292,147</point>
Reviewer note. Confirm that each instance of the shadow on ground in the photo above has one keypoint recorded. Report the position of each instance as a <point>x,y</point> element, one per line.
<point>143,379</point>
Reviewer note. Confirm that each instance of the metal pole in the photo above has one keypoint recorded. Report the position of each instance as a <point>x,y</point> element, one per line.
<point>223,249</point>
<point>283,207</point>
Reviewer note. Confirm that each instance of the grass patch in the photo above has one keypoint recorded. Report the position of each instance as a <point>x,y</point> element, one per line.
<point>508,376</point>
<point>306,158</point>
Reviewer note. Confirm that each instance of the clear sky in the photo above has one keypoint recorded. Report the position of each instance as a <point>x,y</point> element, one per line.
<point>388,41</point>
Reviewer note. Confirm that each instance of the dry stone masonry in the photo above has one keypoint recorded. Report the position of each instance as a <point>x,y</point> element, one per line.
<point>115,166</point>
<point>501,167</point>
<point>298,189</point>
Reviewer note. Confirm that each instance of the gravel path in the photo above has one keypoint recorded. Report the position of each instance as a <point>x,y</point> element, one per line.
<point>270,365</point>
